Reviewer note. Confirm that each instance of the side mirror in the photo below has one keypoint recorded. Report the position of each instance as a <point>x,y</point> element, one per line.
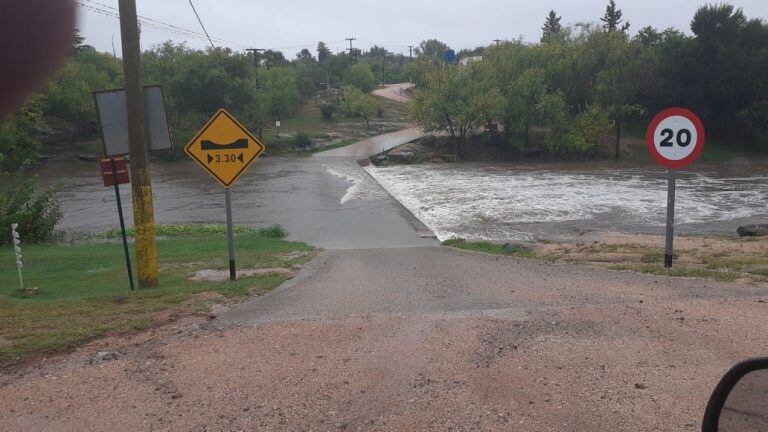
<point>740,401</point>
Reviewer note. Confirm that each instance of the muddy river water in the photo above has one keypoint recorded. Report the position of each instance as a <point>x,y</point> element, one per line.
<point>333,203</point>
<point>499,202</point>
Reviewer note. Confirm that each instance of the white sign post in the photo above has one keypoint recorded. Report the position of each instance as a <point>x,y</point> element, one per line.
<point>675,139</point>
<point>17,249</point>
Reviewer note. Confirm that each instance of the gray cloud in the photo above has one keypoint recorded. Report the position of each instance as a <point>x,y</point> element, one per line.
<point>292,25</point>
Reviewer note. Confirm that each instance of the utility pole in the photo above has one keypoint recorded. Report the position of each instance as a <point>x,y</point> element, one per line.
<point>498,41</point>
<point>410,51</point>
<point>256,52</point>
<point>352,52</point>
<point>257,63</point>
<point>138,137</point>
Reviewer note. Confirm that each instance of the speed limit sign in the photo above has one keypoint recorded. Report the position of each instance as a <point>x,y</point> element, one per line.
<point>675,138</point>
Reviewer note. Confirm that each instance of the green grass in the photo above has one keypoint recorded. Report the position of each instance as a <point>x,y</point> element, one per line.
<point>181,230</point>
<point>488,247</point>
<point>342,143</point>
<point>658,269</point>
<point>83,290</point>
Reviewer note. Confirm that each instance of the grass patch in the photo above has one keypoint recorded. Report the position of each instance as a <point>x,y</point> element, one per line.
<point>656,257</point>
<point>342,143</point>
<point>658,269</point>
<point>488,247</point>
<point>197,229</point>
<point>83,292</point>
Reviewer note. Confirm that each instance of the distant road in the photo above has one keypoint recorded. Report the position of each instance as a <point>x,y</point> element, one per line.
<point>375,145</point>
<point>380,143</point>
<point>395,92</point>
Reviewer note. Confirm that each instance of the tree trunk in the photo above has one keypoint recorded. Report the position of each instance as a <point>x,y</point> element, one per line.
<point>617,149</point>
<point>450,126</point>
<point>527,134</point>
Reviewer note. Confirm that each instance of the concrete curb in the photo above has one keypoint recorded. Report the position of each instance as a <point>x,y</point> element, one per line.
<point>420,227</point>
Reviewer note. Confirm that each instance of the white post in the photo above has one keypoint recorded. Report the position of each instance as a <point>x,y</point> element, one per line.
<point>17,250</point>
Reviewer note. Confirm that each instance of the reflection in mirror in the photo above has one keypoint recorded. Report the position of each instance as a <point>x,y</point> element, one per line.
<point>746,409</point>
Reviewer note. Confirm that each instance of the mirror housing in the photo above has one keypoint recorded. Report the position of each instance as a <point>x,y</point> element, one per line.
<point>725,387</point>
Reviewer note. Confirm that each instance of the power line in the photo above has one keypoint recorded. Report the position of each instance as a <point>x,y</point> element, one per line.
<point>110,11</point>
<point>201,24</point>
<point>145,23</point>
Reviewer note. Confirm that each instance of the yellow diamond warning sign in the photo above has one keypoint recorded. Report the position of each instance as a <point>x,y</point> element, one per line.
<point>225,148</point>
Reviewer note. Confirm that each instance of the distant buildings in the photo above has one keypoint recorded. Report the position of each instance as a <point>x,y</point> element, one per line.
<point>467,60</point>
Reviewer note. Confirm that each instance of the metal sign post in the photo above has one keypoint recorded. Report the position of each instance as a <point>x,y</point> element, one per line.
<point>669,244</point>
<point>115,175</point>
<point>225,149</point>
<point>230,236</point>
<point>675,139</point>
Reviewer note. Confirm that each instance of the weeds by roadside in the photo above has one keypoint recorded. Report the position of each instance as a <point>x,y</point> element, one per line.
<point>196,229</point>
<point>488,247</point>
<point>83,292</point>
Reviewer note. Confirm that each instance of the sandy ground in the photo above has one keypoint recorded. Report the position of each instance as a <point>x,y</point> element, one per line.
<point>738,259</point>
<point>414,339</point>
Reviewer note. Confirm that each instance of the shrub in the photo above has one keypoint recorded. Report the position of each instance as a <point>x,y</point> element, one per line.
<point>302,140</point>
<point>35,209</point>
<point>18,138</point>
<point>273,232</point>
<point>328,110</point>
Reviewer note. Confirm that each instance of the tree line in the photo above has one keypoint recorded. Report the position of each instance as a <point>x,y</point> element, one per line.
<point>257,87</point>
<point>580,82</point>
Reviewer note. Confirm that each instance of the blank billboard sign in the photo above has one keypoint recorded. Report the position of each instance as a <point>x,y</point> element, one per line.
<point>113,120</point>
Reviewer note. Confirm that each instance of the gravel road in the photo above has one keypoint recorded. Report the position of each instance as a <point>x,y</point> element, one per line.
<point>425,338</point>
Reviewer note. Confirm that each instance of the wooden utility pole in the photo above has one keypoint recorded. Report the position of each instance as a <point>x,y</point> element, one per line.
<point>138,136</point>
<point>410,51</point>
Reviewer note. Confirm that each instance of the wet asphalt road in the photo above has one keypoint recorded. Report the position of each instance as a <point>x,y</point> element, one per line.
<point>327,202</point>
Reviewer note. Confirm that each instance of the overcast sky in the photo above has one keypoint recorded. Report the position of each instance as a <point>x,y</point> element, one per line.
<point>294,24</point>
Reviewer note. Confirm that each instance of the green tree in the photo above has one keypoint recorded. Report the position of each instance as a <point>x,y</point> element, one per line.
<point>69,95</point>
<point>612,20</point>
<point>280,97</point>
<point>552,29</point>
<point>305,57</point>
<point>432,48</point>
<point>19,143</point>
<point>618,83</point>
<point>455,100</point>
<point>358,104</point>
<point>361,76</point>
<point>649,37</point>
<point>323,53</point>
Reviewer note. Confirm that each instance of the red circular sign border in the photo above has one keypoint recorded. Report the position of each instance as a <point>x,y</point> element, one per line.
<point>701,137</point>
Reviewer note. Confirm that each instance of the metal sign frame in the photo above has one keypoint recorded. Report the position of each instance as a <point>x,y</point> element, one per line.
<point>153,132</point>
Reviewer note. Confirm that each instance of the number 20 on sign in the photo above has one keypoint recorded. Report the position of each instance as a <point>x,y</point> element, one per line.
<point>675,139</point>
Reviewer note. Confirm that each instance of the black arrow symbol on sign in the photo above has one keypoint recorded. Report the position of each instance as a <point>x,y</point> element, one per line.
<point>210,159</point>
<point>241,158</point>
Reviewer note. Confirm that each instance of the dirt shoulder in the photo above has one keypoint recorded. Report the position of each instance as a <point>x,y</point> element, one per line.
<point>417,339</point>
<point>724,259</point>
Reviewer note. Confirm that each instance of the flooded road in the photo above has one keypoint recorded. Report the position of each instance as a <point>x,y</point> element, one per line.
<point>332,203</point>
<point>556,201</point>
<point>328,202</point>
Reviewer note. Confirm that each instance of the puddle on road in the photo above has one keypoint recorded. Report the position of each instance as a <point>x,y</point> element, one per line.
<point>501,202</point>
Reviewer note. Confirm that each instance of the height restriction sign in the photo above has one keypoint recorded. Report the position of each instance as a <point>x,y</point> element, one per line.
<point>224,148</point>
